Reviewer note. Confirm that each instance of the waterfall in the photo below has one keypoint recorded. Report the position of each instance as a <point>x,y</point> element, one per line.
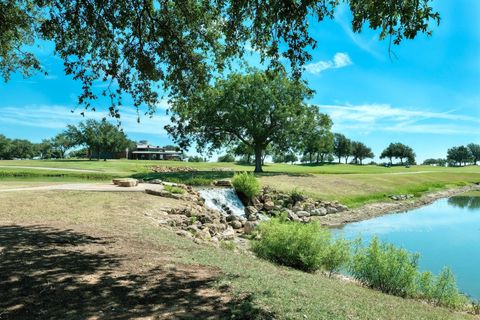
<point>223,200</point>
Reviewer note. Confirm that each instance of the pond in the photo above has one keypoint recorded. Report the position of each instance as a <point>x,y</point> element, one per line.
<point>445,233</point>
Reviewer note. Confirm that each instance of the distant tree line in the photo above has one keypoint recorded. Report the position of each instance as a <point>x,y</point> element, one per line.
<point>55,147</point>
<point>91,137</point>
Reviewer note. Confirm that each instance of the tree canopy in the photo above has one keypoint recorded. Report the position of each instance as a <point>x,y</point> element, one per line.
<point>460,155</point>
<point>100,137</point>
<point>359,152</point>
<point>341,147</point>
<point>258,109</point>
<point>398,151</point>
<point>136,47</point>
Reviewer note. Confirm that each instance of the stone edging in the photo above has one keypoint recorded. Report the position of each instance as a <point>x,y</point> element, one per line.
<point>376,209</point>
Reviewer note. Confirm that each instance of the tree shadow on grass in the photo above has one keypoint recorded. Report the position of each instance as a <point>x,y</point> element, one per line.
<point>47,273</point>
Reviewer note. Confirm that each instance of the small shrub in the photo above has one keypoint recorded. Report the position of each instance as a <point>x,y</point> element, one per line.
<point>425,286</point>
<point>336,256</point>
<point>193,219</point>
<point>387,268</point>
<point>307,247</point>
<point>445,291</point>
<point>246,184</point>
<point>296,245</point>
<point>296,196</point>
<point>173,189</point>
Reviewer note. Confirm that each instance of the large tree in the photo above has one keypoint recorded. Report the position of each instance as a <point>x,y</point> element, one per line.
<point>359,152</point>
<point>318,141</point>
<point>259,109</point>
<point>136,46</point>
<point>100,137</point>
<point>5,145</point>
<point>459,155</point>
<point>475,152</point>
<point>341,147</point>
<point>399,151</point>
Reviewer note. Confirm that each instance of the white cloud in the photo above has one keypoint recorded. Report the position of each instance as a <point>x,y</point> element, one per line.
<point>58,117</point>
<point>340,60</point>
<point>383,117</point>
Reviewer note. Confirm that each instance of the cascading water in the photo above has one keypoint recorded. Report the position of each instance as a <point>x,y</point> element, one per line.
<point>223,200</point>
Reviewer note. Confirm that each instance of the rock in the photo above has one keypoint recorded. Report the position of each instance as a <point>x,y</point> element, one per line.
<point>252,217</point>
<point>204,218</point>
<point>297,208</point>
<point>163,193</point>
<point>155,181</point>
<point>203,234</point>
<point>223,183</point>
<point>302,214</point>
<point>231,218</point>
<point>236,224</point>
<point>250,210</point>
<point>249,227</point>
<point>257,204</point>
<point>331,210</point>
<point>268,205</point>
<point>128,183</point>
<point>228,234</point>
<point>292,216</point>
<point>216,228</point>
<point>318,212</point>
<point>342,207</point>
<point>184,233</point>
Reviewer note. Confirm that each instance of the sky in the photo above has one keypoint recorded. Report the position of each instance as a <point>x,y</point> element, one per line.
<point>427,95</point>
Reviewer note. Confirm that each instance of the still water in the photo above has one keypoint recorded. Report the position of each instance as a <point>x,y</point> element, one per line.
<point>445,233</point>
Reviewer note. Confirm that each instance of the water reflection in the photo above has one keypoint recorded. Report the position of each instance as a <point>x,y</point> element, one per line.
<point>465,202</point>
<point>445,233</point>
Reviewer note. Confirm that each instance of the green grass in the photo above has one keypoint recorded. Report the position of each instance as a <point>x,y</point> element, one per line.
<point>49,175</point>
<point>286,292</point>
<point>350,184</point>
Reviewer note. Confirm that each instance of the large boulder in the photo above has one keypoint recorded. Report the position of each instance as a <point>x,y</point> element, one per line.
<point>126,183</point>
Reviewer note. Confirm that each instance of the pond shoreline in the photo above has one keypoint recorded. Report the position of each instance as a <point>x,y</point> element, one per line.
<point>376,209</point>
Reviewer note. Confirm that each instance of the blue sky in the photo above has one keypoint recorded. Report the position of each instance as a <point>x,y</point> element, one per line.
<point>428,97</point>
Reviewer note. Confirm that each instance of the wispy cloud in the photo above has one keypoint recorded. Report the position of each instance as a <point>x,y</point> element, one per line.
<point>58,117</point>
<point>340,60</point>
<point>383,117</point>
<point>358,39</point>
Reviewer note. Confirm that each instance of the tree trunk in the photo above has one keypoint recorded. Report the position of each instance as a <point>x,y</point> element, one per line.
<point>258,159</point>
<point>346,160</point>
<point>339,160</point>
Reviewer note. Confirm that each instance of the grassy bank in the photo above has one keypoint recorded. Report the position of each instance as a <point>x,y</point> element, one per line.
<point>118,220</point>
<point>350,184</point>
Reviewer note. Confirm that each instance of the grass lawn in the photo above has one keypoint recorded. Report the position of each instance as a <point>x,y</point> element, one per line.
<point>98,255</point>
<point>350,184</point>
